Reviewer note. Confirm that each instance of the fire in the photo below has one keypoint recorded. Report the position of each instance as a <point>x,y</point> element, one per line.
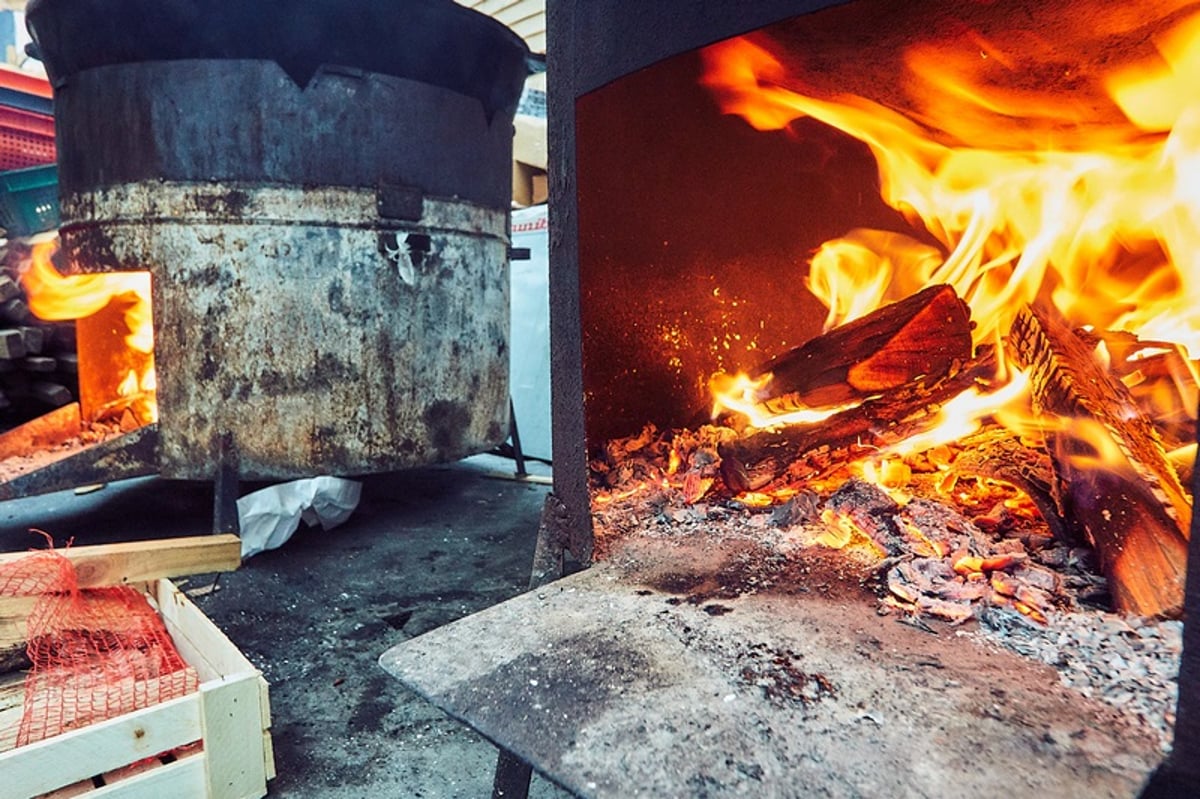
<point>1029,195</point>
<point>106,304</point>
<point>741,394</point>
<point>961,416</point>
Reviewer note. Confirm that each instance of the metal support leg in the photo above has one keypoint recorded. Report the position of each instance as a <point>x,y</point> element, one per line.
<point>512,777</point>
<point>551,546</point>
<point>513,434</point>
<point>225,487</point>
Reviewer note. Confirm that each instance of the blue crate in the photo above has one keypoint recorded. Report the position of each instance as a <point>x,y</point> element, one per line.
<point>29,200</point>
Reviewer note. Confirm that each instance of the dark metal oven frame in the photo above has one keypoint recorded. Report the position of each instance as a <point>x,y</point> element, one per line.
<point>594,42</point>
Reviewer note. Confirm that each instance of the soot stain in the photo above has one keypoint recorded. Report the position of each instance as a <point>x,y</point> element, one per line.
<point>581,676</point>
<point>374,703</point>
<point>445,423</point>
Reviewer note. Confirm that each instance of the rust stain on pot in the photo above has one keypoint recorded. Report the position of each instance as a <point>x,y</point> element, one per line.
<point>328,360</point>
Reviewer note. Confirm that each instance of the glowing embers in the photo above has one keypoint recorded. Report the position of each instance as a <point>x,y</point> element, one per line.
<point>114,330</point>
<point>941,533</point>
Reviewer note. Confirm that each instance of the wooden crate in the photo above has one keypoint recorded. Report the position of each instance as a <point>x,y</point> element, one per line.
<point>227,722</point>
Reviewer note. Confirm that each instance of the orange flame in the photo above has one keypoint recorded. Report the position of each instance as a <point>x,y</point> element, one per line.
<point>1101,219</point>
<point>57,297</point>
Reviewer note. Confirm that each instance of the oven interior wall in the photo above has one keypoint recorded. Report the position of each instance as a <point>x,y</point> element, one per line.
<point>694,235</point>
<point>597,41</point>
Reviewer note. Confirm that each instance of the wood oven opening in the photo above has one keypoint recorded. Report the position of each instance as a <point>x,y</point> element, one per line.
<point>914,289</point>
<point>83,408</point>
<point>114,330</point>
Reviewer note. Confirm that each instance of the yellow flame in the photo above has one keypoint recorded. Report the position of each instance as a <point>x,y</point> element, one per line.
<point>961,416</point>
<point>743,394</point>
<point>56,297</point>
<point>1032,194</point>
<point>1108,226</point>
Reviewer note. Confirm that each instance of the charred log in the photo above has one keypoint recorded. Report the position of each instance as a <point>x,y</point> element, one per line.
<point>999,454</point>
<point>1161,380</point>
<point>754,461</point>
<point>925,335</point>
<point>38,364</point>
<point>1134,510</point>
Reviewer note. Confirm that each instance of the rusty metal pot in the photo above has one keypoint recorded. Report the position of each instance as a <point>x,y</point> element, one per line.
<point>329,262</point>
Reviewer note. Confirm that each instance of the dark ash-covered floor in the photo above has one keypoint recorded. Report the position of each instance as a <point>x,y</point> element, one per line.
<point>424,547</point>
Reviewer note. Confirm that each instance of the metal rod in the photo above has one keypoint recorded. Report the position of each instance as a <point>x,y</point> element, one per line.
<point>225,486</point>
<point>518,456</point>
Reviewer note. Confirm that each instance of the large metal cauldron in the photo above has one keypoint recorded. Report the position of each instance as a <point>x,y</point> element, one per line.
<point>328,241</point>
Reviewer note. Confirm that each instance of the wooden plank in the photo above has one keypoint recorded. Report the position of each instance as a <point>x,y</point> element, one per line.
<point>264,709</point>
<point>268,754</point>
<point>926,335</point>
<point>234,695</point>
<point>12,707</point>
<point>14,612</point>
<point>752,462</point>
<point>1132,508</point>
<point>534,22</point>
<point>537,42</point>
<point>199,641</point>
<point>183,779</point>
<point>499,8</point>
<point>46,765</point>
<point>134,561</point>
<point>231,720</point>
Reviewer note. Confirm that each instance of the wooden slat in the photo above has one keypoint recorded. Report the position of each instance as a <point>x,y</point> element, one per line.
<point>231,722</point>
<point>134,561</point>
<point>79,754</point>
<point>12,706</point>
<point>498,8</point>
<point>232,686</point>
<point>14,612</point>
<point>1133,509</point>
<point>537,42</point>
<point>183,778</point>
<point>528,26</point>
<point>527,18</point>
<point>200,642</point>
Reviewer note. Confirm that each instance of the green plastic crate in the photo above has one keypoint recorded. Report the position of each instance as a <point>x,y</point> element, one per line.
<point>29,200</point>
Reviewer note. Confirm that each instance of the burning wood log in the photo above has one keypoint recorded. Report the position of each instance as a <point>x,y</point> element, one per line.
<point>1159,378</point>
<point>924,335</point>
<point>999,454</point>
<point>1132,507</point>
<point>752,462</point>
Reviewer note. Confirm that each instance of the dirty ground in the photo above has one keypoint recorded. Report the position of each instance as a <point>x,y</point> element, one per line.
<point>424,547</point>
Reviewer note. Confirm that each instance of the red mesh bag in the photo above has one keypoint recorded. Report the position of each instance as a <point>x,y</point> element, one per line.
<point>96,653</point>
